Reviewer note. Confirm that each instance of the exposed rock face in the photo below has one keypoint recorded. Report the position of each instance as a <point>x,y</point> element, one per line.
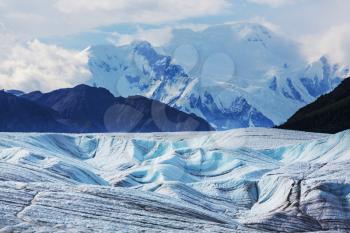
<point>251,180</point>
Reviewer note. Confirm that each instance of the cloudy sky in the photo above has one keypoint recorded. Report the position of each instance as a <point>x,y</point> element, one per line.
<point>55,29</point>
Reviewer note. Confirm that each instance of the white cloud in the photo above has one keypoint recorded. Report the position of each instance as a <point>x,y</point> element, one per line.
<point>273,3</point>
<point>42,18</point>
<point>38,66</point>
<point>259,20</point>
<point>143,11</point>
<point>157,37</point>
<point>7,41</point>
<point>334,43</point>
<point>194,27</point>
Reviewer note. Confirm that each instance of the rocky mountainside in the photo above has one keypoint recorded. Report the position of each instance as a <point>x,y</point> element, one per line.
<point>328,114</point>
<point>21,115</point>
<point>238,75</point>
<point>90,109</point>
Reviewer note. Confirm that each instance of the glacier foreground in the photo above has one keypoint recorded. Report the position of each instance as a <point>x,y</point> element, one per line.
<point>246,180</point>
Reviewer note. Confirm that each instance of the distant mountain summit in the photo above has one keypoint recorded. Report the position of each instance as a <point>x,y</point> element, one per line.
<point>328,114</point>
<point>85,109</point>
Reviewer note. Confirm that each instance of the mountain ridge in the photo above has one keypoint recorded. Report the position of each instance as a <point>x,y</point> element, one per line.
<point>22,115</point>
<point>85,109</point>
<point>328,114</point>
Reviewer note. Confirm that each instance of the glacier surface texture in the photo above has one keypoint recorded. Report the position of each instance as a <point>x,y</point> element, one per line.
<point>245,180</point>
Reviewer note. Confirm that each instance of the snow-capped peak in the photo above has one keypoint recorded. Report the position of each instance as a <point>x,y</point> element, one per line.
<point>234,75</point>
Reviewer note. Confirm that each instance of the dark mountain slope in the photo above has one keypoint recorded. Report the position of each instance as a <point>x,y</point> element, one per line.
<point>15,92</point>
<point>92,109</point>
<point>83,105</point>
<point>150,115</point>
<point>20,115</point>
<point>328,114</point>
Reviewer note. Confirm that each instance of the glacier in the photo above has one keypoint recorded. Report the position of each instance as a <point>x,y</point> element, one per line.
<point>233,75</point>
<point>243,180</point>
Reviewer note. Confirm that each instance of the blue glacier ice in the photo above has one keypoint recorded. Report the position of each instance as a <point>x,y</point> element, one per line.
<point>245,180</point>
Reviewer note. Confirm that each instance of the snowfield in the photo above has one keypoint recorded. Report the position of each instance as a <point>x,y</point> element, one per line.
<point>245,180</point>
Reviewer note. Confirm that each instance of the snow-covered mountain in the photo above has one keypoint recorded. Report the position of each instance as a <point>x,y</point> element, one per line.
<point>246,180</point>
<point>237,75</point>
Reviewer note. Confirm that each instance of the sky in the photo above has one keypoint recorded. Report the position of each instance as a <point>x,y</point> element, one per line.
<point>58,30</point>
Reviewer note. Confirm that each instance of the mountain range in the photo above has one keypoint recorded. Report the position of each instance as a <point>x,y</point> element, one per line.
<point>85,109</point>
<point>328,114</point>
<point>235,75</point>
